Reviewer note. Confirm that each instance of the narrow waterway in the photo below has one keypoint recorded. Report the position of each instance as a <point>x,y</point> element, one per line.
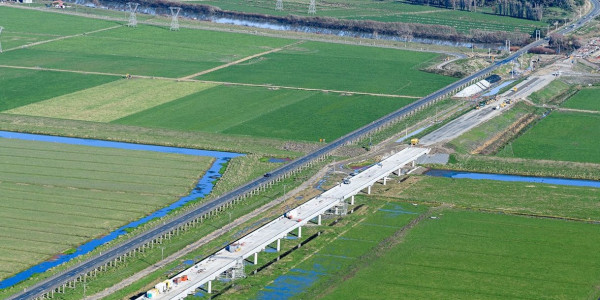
<point>203,188</point>
<point>513,178</point>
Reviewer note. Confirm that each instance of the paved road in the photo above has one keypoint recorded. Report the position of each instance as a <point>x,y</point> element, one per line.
<point>127,246</point>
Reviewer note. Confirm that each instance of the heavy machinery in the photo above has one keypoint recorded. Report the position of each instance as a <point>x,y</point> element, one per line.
<point>414,141</point>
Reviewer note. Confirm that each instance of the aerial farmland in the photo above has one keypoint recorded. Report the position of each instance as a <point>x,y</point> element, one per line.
<point>141,143</point>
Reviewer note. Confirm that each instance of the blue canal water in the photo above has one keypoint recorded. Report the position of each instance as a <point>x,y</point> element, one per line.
<point>203,188</point>
<point>514,178</point>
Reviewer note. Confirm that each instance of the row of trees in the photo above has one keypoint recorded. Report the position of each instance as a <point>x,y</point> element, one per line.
<point>520,9</point>
<point>469,5</point>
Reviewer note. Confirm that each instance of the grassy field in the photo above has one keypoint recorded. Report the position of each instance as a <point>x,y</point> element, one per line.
<point>474,138</point>
<point>387,11</point>
<point>550,94</point>
<point>23,87</point>
<point>111,101</point>
<point>144,50</point>
<point>22,27</point>
<point>518,197</point>
<point>339,67</point>
<point>58,196</point>
<point>469,255</point>
<point>560,136</point>
<point>256,111</point>
<point>586,99</point>
<point>336,250</point>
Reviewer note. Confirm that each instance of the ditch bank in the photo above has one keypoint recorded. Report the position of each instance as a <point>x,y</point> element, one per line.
<point>512,178</point>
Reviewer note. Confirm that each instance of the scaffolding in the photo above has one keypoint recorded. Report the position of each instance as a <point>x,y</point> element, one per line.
<point>341,209</point>
<point>174,17</point>
<point>236,272</point>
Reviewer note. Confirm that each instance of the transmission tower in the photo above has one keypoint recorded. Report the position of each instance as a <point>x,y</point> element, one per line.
<point>174,20</point>
<point>312,8</point>
<point>279,5</point>
<point>0,42</point>
<point>132,18</point>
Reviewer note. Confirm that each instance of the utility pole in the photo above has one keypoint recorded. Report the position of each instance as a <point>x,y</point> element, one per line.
<point>312,7</point>
<point>174,17</point>
<point>132,17</point>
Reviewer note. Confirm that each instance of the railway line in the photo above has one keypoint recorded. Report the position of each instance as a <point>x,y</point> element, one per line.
<point>92,264</point>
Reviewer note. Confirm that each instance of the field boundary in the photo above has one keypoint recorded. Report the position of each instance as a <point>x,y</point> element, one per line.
<point>240,61</point>
<point>62,38</point>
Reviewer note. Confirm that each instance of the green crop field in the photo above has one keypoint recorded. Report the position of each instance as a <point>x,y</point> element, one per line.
<point>474,138</point>
<point>336,250</point>
<point>111,101</point>
<point>23,87</point>
<point>564,136</point>
<point>469,255</point>
<point>339,67</point>
<point>56,196</point>
<point>144,50</point>
<point>254,111</point>
<point>587,99</point>
<point>387,11</point>
<point>22,27</point>
<point>517,197</point>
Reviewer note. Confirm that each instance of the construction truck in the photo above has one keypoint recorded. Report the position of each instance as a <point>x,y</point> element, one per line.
<point>414,141</point>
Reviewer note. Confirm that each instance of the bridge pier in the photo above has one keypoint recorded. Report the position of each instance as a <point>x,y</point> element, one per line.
<point>351,201</point>
<point>209,287</point>
<point>299,232</point>
<point>256,258</point>
<point>278,245</point>
<point>369,190</point>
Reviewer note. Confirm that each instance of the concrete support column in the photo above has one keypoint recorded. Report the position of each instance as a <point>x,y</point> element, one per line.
<point>319,220</point>
<point>352,197</point>
<point>256,258</point>
<point>384,180</point>
<point>278,245</point>
<point>413,164</point>
<point>209,287</point>
<point>369,190</point>
<point>299,232</point>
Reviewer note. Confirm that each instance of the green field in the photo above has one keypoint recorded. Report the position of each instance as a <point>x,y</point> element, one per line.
<point>515,197</point>
<point>339,67</point>
<point>586,99</point>
<point>387,11</point>
<point>22,27</point>
<point>56,196</point>
<point>337,250</point>
<point>23,87</point>
<point>550,94</point>
<point>254,111</point>
<point>476,137</point>
<point>111,101</point>
<point>469,255</point>
<point>144,50</point>
<point>560,136</point>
